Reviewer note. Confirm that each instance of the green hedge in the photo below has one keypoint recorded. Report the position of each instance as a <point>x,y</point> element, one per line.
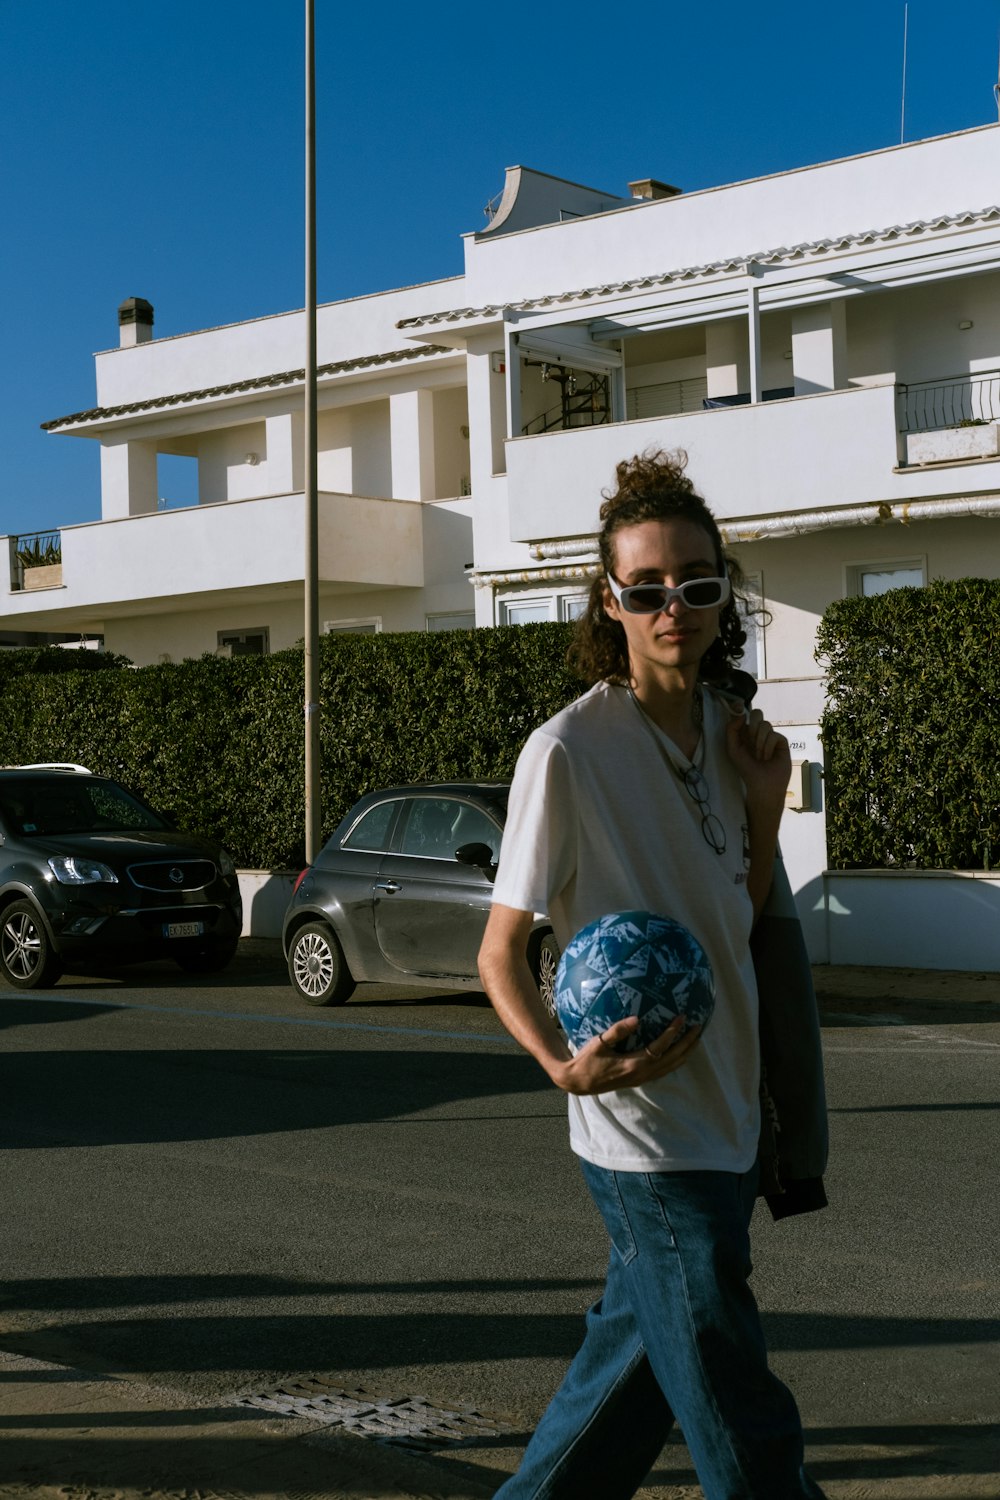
<point>218,743</point>
<point>912,729</point>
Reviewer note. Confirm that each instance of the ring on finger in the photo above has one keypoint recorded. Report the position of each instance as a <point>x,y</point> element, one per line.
<point>654,1055</point>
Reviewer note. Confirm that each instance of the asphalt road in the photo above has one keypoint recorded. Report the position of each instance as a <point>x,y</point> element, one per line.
<point>212,1187</point>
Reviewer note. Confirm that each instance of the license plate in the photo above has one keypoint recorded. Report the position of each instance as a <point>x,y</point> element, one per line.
<point>183,929</point>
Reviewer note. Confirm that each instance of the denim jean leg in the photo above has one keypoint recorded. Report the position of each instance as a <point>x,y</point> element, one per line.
<point>604,1428</point>
<point>688,1283</point>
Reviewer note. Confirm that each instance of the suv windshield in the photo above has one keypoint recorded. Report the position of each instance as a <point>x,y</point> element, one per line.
<point>36,806</point>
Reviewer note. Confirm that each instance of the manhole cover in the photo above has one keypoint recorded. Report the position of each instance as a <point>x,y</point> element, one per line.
<point>408,1421</point>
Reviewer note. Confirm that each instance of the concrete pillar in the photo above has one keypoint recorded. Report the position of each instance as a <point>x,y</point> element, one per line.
<point>727,358</point>
<point>285,439</point>
<point>128,480</point>
<point>753,337</point>
<point>819,347</point>
<point>411,440</point>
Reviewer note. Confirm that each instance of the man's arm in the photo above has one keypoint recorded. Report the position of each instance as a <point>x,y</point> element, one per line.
<point>597,1068</point>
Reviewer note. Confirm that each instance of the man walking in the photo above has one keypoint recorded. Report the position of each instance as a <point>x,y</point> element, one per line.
<point>653,792</point>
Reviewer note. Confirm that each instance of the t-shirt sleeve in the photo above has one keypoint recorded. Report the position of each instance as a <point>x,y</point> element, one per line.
<point>538,853</point>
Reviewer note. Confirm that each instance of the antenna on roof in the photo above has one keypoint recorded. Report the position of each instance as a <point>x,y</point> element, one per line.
<point>902,108</point>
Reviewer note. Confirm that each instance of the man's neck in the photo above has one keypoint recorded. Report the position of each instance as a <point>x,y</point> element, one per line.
<point>670,700</point>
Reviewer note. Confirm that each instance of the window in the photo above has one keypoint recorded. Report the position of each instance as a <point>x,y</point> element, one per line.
<point>870,578</point>
<point>525,609</point>
<point>476,827</point>
<point>251,642</point>
<point>430,828</point>
<point>459,620</point>
<point>370,626</point>
<point>374,828</point>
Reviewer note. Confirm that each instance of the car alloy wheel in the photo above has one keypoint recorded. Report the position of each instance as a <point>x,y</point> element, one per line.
<point>26,956</point>
<point>544,960</point>
<point>317,967</point>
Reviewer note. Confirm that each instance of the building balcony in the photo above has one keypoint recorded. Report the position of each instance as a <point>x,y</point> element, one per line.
<point>808,453</point>
<point>200,555</point>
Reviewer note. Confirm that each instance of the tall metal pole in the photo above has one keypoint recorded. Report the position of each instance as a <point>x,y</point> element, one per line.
<point>311,574</point>
<point>902,107</point>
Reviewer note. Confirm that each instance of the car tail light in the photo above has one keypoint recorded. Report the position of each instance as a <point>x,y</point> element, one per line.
<point>302,875</point>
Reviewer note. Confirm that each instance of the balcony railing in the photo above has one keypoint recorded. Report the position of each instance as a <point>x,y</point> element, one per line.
<point>32,551</point>
<point>957,400</point>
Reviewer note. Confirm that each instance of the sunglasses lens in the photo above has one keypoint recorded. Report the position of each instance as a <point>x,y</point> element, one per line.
<point>646,601</point>
<point>702,593</point>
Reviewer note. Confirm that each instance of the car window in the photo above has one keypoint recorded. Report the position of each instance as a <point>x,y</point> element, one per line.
<point>430,828</point>
<point>372,830</point>
<point>474,826</point>
<point>66,805</point>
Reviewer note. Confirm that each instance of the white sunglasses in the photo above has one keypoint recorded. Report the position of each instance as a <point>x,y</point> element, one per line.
<point>652,598</point>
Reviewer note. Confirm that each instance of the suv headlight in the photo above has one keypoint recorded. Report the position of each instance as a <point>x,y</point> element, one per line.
<point>72,869</point>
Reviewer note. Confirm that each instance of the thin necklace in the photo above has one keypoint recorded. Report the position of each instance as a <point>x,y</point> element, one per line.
<point>692,778</point>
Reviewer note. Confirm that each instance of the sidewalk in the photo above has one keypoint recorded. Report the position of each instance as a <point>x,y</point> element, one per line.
<point>68,1435</point>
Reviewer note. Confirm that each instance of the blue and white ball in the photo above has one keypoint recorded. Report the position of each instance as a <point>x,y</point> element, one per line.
<point>632,963</point>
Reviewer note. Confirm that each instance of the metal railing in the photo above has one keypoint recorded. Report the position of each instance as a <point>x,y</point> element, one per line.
<point>955,401</point>
<point>32,549</point>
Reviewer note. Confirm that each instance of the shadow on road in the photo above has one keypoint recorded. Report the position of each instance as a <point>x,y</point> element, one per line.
<point>111,1098</point>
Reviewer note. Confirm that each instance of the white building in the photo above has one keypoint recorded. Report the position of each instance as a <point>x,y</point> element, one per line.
<point>824,343</point>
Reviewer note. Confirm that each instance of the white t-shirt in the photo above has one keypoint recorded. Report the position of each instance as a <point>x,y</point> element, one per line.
<point>599,823</point>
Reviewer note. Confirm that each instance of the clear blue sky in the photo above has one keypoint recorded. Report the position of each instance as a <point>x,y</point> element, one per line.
<point>154,149</point>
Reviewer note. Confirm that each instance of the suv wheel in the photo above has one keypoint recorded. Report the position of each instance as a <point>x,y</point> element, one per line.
<point>317,967</point>
<point>27,959</point>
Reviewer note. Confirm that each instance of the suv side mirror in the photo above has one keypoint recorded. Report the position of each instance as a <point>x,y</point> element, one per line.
<point>479,855</point>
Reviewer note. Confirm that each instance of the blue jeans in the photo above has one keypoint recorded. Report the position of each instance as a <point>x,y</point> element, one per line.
<point>676,1333</point>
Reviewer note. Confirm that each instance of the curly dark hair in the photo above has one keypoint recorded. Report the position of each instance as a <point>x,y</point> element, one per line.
<point>652,486</point>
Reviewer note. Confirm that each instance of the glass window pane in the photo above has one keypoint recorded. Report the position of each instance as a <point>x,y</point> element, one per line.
<point>430,828</point>
<point>475,827</point>
<point>573,606</point>
<point>452,622</point>
<point>528,611</point>
<point>372,832</point>
<point>880,581</point>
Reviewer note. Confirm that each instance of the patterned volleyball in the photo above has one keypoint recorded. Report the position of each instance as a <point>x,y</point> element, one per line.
<point>632,963</point>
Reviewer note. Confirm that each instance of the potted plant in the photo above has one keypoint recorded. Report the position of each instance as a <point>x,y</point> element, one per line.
<point>40,560</point>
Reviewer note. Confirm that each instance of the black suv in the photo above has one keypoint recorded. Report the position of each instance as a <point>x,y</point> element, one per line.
<point>89,873</point>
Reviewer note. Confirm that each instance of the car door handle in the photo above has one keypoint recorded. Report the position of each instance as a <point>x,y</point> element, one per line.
<point>392,886</point>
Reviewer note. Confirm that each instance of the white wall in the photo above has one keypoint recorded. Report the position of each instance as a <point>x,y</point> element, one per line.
<point>352,329</point>
<point>913,333</point>
<point>191,629</point>
<point>354,448</point>
<point>802,575</point>
<point>223,471</point>
<point>915,919</point>
<point>452,467</point>
<point>921,180</point>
